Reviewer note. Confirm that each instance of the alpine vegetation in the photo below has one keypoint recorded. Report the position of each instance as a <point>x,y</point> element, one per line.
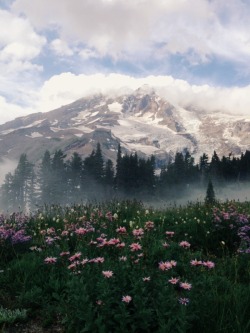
<point>119,266</point>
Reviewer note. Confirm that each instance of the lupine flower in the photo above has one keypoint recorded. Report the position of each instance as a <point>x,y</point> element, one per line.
<point>107,274</point>
<point>173,280</point>
<point>184,301</point>
<point>135,247</point>
<point>126,299</point>
<point>185,285</point>
<point>50,260</point>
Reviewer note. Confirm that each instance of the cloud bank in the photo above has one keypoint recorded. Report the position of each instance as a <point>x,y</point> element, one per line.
<point>54,52</point>
<point>67,87</point>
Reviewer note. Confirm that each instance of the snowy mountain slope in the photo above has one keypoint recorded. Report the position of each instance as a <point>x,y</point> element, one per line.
<point>142,122</point>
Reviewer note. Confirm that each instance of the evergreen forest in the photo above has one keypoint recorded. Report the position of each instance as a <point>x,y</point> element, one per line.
<point>63,180</point>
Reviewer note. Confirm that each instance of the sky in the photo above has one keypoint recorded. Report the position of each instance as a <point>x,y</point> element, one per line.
<point>193,52</point>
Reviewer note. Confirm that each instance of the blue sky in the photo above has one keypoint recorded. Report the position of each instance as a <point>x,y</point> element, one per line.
<point>195,52</point>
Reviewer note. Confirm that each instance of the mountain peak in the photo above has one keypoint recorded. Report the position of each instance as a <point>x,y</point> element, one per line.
<point>140,121</point>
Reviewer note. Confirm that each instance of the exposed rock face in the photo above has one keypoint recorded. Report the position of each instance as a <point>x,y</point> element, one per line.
<point>142,122</point>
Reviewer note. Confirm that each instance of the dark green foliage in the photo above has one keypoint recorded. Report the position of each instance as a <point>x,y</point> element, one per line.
<point>18,189</point>
<point>81,299</point>
<point>75,180</point>
<point>210,195</point>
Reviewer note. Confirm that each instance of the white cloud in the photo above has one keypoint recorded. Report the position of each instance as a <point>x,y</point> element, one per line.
<point>18,39</point>
<point>67,87</point>
<point>61,48</point>
<point>135,29</point>
<point>9,111</point>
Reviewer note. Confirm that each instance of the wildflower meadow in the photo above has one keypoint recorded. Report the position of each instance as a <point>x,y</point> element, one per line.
<point>123,267</point>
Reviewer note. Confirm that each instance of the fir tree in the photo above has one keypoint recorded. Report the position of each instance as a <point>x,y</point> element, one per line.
<point>210,195</point>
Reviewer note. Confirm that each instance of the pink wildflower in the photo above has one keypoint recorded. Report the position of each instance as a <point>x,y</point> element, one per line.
<point>121,230</point>
<point>184,301</point>
<point>50,260</point>
<point>170,233</point>
<point>185,244</point>
<point>107,274</point>
<point>75,256</point>
<point>73,265</point>
<point>66,253</point>
<point>208,264</point>
<point>195,262</point>
<point>185,285</point>
<point>113,241</point>
<point>98,260</point>
<point>81,231</point>
<point>84,261</point>
<point>165,266</point>
<point>126,299</point>
<point>135,247</point>
<point>120,245</point>
<point>173,280</point>
<point>149,225</point>
<point>165,245</point>
<point>173,263</point>
<point>138,232</point>
<point>51,231</point>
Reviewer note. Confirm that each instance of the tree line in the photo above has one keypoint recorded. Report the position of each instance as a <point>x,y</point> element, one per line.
<point>58,180</point>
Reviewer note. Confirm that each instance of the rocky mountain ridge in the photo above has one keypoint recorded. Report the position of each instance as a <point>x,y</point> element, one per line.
<point>141,121</point>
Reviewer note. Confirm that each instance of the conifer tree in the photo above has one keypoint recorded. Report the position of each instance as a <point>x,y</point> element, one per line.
<point>74,177</point>
<point>210,195</point>
<point>19,188</point>
<point>45,179</point>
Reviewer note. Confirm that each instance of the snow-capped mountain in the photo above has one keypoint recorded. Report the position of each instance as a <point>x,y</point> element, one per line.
<point>141,121</point>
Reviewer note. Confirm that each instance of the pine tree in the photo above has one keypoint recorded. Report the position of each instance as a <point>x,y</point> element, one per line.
<point>210,195</point>
<point>118,176</point>
<point>22,184</point>
<point>58,179</point>
<point>74,177</point>
<point>45,179</point>
<point>7,192</point>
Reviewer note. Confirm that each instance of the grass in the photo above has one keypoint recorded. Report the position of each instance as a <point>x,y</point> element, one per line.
<point>121,267</point>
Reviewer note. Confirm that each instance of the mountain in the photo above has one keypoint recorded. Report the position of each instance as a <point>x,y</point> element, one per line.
<point>141,121</point>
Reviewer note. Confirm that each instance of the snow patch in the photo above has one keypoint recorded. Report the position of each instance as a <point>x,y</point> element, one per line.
<point>115,107</point>
<point>94,113</point>
<point>35,135</point>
